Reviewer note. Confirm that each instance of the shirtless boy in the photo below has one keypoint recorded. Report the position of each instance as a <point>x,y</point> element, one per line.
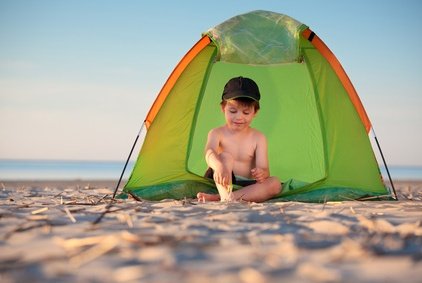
<point>236,152</point>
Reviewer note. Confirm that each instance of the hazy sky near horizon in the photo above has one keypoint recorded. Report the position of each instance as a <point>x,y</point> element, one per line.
<point>78,77</point>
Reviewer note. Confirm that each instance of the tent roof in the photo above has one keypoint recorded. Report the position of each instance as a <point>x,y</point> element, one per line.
<point>258,37</point>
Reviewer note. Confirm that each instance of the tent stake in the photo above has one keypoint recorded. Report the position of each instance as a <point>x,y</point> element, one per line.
<point>385,164</point>
<point>127,160</point>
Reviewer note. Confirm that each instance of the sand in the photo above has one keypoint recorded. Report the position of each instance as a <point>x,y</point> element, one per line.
<point>47,235</point>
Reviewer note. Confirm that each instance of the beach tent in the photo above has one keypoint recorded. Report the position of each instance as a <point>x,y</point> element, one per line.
<point>316,126</point>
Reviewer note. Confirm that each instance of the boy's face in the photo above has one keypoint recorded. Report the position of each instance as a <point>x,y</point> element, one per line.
<point>238,116</point>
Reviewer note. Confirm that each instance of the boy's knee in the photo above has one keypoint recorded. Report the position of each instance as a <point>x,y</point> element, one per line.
<point>275,186</point>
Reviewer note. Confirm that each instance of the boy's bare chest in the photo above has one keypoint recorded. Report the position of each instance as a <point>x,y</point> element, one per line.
<point>242,149</point>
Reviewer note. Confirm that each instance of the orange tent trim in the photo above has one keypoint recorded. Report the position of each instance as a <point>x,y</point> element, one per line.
<point>335,64</point>
<point>190,55</point>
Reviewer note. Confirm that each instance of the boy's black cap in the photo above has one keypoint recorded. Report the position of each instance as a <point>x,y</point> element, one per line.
<point>241,87</point>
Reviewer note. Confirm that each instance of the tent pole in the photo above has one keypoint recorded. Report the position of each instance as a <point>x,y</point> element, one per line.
<point>110,205</point>
<point>385,164</point>
<point>127,160</point>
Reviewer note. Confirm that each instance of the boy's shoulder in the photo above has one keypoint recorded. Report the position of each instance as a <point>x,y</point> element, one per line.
<point>215,131</point>
<point>256,131</point>
<point>258,135</point>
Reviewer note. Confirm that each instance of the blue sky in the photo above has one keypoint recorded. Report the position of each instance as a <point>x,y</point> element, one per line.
<point>78,77</point>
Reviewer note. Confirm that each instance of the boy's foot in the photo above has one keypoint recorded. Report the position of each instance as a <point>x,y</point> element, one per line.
<point>203,197</point>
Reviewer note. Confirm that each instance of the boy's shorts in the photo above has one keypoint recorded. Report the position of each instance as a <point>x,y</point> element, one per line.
<point>239,181</point>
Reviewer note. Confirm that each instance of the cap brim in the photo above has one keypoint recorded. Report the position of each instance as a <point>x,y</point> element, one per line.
<point>239,94</point>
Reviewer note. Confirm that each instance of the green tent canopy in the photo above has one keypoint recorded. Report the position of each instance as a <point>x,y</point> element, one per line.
<point>316,126</point>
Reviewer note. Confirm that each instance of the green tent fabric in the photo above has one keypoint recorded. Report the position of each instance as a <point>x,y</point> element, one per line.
<point>316,127</point>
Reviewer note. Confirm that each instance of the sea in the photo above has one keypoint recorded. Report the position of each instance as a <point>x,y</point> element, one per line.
<point>22,170</point>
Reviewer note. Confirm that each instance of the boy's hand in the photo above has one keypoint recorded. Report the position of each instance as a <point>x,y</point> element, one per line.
<point>259,174</point>
<point>223,177</point>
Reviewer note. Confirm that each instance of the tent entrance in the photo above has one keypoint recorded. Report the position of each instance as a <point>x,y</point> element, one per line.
<point>289,117</point>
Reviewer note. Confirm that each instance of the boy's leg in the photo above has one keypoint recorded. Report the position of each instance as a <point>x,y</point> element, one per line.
<point>223,193</point>
<point>228,162</point>
<point>203,197</point>
<point>259,192</point>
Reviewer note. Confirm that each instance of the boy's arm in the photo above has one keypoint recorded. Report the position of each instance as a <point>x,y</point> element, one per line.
<point>261,170</point>
<point>221,175</point>
<point>211,150</point>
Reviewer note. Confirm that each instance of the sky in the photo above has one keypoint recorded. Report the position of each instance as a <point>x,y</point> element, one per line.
<point>77,78</point>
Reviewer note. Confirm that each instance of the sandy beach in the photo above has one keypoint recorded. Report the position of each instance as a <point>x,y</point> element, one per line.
<point>47,235</point>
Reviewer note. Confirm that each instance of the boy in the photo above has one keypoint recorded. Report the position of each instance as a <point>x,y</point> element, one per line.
<point>235,152</point>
